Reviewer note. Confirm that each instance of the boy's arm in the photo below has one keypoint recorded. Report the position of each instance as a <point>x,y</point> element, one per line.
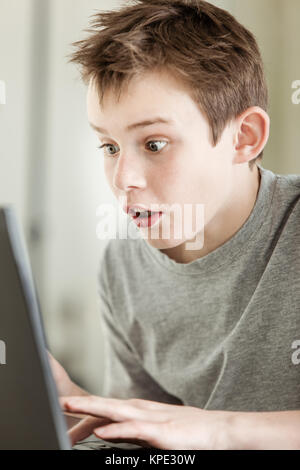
<point>263,430</point>
<point>184,427</point>
<point>65,386</point>
<point>76,390</point>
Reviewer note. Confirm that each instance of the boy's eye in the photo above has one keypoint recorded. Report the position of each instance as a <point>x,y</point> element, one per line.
<point>153,145</point>
<point>107,148</point>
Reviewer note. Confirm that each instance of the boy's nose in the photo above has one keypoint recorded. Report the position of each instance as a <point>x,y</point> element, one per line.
<point>129,175</point>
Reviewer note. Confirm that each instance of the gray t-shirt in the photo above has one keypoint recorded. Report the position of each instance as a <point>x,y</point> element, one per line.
<point>221,332</point>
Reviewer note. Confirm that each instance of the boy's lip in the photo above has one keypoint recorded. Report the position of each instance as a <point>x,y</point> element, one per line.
<point>130,208</point>
<point>149,221</point>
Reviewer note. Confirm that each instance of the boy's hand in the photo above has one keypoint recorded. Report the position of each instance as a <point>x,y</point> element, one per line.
<point>85,428</point>
<point>147,423</point>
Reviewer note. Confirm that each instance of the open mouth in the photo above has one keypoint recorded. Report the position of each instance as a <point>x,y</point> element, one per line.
<point>143,214</point>
<point>146,218</point>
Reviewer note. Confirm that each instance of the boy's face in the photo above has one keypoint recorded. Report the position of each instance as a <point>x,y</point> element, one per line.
<point>180,166</point>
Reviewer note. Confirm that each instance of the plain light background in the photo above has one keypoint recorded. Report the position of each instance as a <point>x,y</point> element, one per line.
<point>50,168</point>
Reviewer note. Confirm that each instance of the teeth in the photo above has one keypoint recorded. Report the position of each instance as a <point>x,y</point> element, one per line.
<point>140,211</point>
<point>142,214</point>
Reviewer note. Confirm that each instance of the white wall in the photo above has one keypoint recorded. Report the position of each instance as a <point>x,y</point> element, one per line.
<point>75,187</point>
<point>276,26</point>
<point>50,170</point>
<point>15,38</point>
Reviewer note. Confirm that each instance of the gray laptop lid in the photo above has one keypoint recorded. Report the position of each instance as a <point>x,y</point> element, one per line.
<point>30,415</point>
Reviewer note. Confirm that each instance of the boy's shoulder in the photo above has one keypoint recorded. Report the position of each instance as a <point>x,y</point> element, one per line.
<point>292,180</point>
<point>285,208</point>
<point>287,190</point>
<point>117,255</point>
<point>116,247</point>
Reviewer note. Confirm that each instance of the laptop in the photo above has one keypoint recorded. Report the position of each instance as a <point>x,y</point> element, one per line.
<point>30,413</point>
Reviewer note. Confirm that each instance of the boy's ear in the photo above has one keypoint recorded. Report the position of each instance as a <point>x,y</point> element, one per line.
<point>251,134</point>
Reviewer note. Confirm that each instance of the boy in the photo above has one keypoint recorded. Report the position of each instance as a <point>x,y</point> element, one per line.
<point>202,345</point>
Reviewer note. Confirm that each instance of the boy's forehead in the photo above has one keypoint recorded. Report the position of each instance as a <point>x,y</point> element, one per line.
<point>147,86</point>
<point>145,97</point>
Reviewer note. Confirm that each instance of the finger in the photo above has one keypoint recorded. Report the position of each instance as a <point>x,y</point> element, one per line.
<point>112,408</point>
<point>119,409</point>
<point>149,404</point>
<point>85,428</point>
<point>141,432</point>
<point>76,404</point>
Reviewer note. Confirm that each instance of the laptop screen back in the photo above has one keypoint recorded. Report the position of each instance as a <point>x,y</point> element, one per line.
<point>30,415</point>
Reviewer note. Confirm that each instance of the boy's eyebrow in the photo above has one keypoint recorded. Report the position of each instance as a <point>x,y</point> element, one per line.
<point>136,124</point>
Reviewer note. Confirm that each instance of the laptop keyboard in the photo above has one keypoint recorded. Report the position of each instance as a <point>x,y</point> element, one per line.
<point>90,445</point>
<point>99,444</point>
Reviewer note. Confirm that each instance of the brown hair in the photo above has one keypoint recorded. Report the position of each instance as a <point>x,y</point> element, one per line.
<point>203,45</point>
